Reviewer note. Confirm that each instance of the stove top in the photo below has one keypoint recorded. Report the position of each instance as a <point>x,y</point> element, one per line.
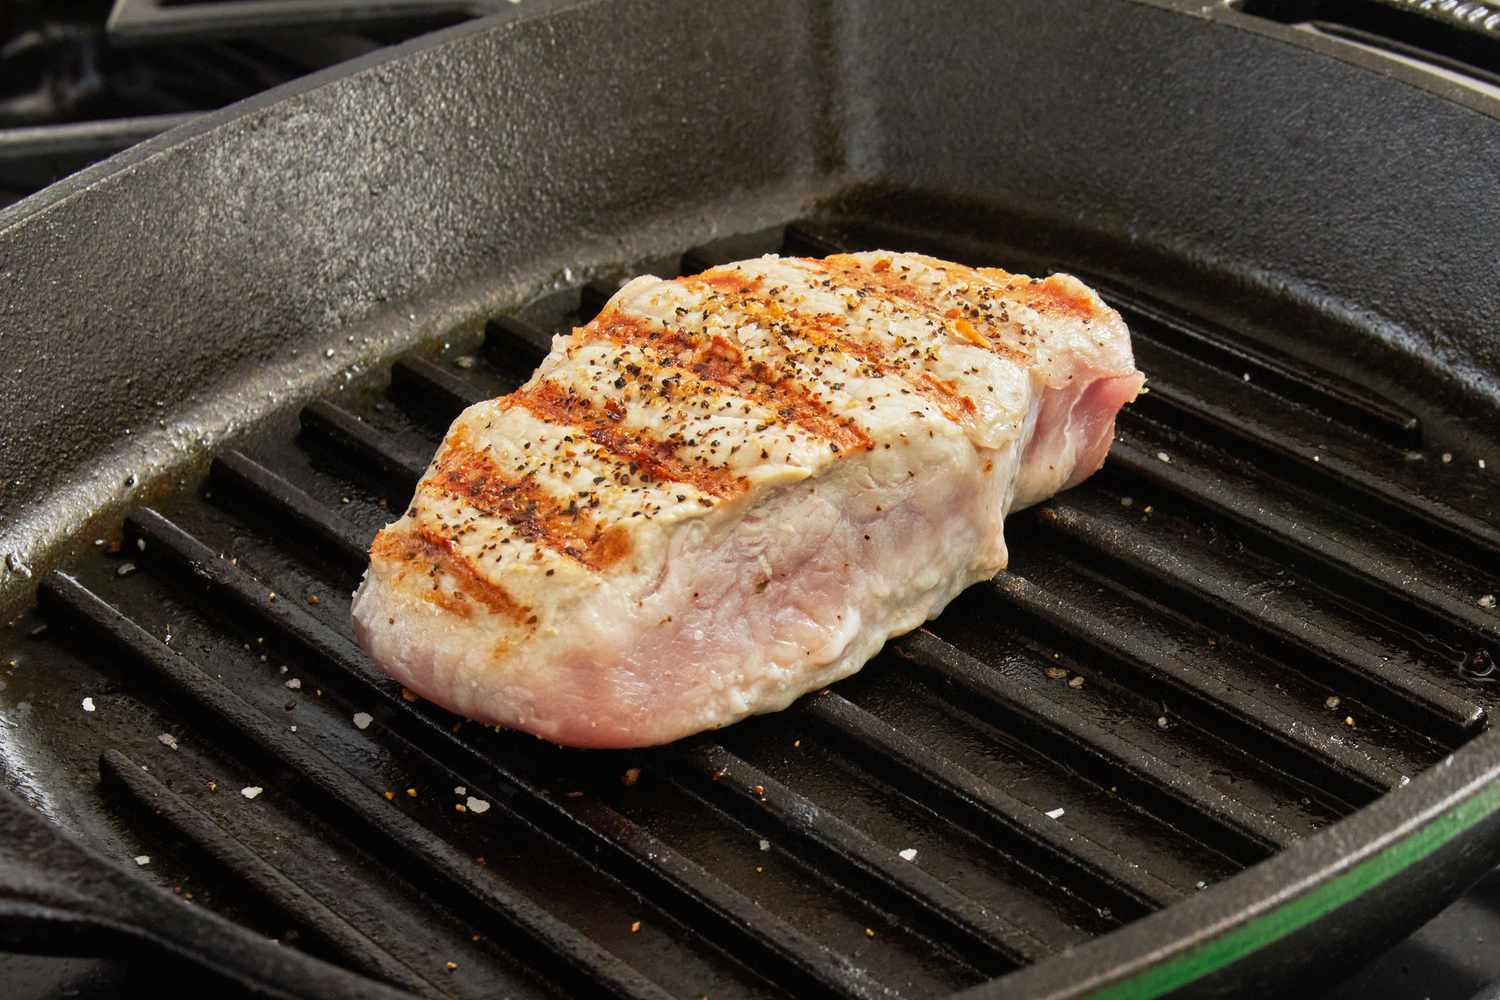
<point>83,79</point>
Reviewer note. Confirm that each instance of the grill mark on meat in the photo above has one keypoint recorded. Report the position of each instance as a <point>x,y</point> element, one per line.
<point>821,330</point>
<point>474,480</point>
<point>647,457</point>
<point>1051,297</point>
<point>889,286</point>
<point>724,280</point>
<point>722,363</point>
<point>423,544</point>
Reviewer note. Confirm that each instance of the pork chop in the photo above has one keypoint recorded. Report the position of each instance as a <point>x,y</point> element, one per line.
<point>730,489</point>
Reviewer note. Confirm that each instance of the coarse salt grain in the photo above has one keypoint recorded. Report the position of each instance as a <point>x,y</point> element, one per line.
<point>251,791</point>
<point>1162,456</point>
<point>1447,457</point>
<point>765,845</point>
<point>143,859</point>
<point>88,704</point>
<point>1487,601</point>
<point>460,790</point>
<point>167,740</point>
<point>362,720</point>
<point>477,805</point>
<point>910,854</point>
<point>294,683</point>
<point>1055,813</point>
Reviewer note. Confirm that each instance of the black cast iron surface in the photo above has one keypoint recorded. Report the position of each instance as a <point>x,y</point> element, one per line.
<point>1252,649</point>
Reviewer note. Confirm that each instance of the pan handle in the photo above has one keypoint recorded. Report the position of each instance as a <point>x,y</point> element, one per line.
<point>59,897</point>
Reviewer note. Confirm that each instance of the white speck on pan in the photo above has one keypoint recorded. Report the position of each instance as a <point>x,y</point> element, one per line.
<point>1055,813</point>
<point>88,704</point>
<point>362,720</point>
<point>910,854</point>
<point>294,684</point>
<point>477,805</point>
<point>143,859</point>
<point>765,845</point>
<point>460,790</point>
<point>251,791</point>
<point>1162,456</point>
<point>167,740</point>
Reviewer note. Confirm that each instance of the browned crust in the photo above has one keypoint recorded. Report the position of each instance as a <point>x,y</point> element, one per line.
<point>411,549</point>
<point>721,363</point>
<point>1052,297</point>
<point>476,481</point>
<point>889,285</point>
<point>823,330</point>
<point>647,457</point>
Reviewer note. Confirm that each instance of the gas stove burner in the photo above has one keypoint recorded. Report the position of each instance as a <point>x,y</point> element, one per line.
<point>81,81</point>
<point>154,20</point>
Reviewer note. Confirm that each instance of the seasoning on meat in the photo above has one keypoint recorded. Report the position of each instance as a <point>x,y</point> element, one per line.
<point>730,489</point>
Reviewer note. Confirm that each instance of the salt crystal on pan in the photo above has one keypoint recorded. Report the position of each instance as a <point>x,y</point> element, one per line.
<point>252,791</point>
<point>477,805</point>
<point>460,790</point>
<point>143,859</point>
<point>1487,601</point>
<point>765,845</point>
<point>167,740</point>
<point>1055,813</point>
<point>910,854</point>
<point>362,720</point>
<point>295,684</point>
<point>88,704</point>
<point>1162,456</point>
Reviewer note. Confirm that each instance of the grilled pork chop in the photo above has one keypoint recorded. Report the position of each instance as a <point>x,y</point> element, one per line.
<point>730,489</point>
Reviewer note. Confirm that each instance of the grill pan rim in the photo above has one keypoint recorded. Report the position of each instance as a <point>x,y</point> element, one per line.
<point>1134,950</point>
<point>1461,793</point>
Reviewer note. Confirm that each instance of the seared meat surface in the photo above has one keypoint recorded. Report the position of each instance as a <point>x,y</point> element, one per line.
<point>730,489</point>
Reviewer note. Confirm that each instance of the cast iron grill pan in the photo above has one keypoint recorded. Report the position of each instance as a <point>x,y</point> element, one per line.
<point>1259,618</point>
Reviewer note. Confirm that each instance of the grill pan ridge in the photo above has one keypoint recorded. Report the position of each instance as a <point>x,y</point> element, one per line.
<point>1183,738</point>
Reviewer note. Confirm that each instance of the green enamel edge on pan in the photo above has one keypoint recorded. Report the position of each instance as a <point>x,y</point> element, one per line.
<point>1276,924</point>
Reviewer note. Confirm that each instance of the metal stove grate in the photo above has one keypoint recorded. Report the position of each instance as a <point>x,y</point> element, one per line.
<point>1187,668</point>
